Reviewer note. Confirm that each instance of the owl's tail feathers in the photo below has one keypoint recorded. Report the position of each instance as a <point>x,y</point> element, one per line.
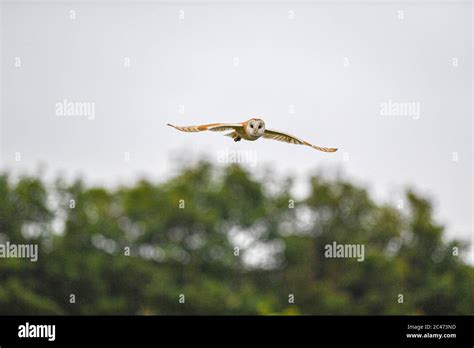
<point>231,134</point>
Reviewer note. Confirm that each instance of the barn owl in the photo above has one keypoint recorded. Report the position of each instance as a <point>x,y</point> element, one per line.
<point>252,129</point>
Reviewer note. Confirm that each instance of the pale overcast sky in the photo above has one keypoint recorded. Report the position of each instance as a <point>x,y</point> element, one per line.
<point>319,70</point>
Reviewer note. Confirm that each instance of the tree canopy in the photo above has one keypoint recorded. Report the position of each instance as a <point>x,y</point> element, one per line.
<point>229,244</point>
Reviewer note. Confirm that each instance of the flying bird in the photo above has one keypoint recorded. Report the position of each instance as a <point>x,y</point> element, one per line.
<point>252,129</point>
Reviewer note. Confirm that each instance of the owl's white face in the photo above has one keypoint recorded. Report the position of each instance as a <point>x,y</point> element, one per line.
<point>255,127</point>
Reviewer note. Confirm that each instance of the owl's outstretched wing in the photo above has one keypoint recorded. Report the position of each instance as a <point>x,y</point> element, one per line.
<point>287,138</point>
<point>213,127</point>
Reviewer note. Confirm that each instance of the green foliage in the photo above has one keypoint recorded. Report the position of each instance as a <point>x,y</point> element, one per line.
<point>134,250</point>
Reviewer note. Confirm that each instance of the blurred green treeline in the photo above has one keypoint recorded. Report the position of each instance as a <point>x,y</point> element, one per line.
<point>182,236</point>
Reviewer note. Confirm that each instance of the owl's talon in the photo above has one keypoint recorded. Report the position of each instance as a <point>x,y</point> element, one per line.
<point>236,139</point>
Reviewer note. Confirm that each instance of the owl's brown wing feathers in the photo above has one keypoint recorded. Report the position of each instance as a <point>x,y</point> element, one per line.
<point>287,138</point>
<point>213,127</point>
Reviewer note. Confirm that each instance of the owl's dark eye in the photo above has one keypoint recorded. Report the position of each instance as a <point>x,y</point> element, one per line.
<point>259,126</point>
<point>251,125</point>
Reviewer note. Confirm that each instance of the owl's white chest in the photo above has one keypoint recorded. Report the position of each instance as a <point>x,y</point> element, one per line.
<point>248,136</point>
